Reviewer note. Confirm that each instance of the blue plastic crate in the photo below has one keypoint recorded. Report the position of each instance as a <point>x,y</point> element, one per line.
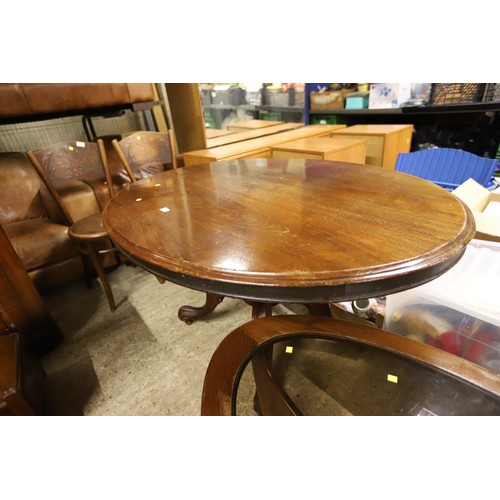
<point>448,167</point>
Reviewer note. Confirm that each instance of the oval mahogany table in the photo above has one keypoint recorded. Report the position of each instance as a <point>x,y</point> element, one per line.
<point>289,230</point>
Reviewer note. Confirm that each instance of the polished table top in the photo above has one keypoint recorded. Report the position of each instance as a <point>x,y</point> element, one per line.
<point>290,229</point>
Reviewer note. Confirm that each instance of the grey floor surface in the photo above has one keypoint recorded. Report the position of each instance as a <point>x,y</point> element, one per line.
<point>140,359</point>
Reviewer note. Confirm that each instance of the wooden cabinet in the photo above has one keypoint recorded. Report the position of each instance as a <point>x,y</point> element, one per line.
<point>323,148</point>
<point>21,378</point>
<point>22,305</point>
<point>384,142</point>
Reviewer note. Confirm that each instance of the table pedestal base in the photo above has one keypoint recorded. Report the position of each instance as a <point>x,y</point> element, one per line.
<point>189,314</point>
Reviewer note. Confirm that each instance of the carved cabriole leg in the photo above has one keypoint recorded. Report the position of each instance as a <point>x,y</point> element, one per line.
<point>188,314</point>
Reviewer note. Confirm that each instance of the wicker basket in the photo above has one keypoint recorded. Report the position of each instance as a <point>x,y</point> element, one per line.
<point>448,93</point>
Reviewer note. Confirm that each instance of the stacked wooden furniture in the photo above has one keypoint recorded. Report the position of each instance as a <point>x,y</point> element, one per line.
<point>256,148</point>
<point>251,134</point>
<point>384,142</point>
<point>322,148</point>
<point>251,125</point>
<point>212,133</point>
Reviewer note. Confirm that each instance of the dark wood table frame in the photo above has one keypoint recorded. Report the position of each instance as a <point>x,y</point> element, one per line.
<point>289,231</point>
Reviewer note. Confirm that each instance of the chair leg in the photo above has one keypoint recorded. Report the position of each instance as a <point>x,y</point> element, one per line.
<point>86,267</point>
<point>102,275</point>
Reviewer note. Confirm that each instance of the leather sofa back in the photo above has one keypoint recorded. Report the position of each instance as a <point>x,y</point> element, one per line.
<point>20,185</point>
<point>24,99</point>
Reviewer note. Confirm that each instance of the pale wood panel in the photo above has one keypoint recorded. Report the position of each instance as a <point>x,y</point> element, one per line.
<point>187,115</point>
<point>399,142</point>
<point>385,142</point>
<point>251,125</point>
<point>326,148</point>
<point>265,153</point>
<point>245,148</point>
<point>354,154</point>
<point>251,134</point>
<point>212,133</point>
<point>374,149</point>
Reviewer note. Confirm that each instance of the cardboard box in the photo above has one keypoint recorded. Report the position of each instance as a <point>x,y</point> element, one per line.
<point>485,206</point>
<point>327,100</point>
<point>389,95</point>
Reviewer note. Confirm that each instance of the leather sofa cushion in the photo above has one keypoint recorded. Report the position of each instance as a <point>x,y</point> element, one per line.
<point>20,99</point>
<point>49,277</point>
<point>39,242</point>
<point>20,185</point>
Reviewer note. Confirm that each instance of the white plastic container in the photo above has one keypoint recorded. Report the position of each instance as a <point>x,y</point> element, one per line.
<point>459,311</point>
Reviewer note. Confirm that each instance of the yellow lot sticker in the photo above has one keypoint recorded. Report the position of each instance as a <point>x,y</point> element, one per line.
<point>392,378</point>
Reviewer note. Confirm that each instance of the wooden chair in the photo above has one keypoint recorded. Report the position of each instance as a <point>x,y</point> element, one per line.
<point>146,153</point>
<point>374,372</point>
<point>67,168</point>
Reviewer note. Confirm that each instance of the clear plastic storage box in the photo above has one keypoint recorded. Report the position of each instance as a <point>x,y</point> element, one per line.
<point>459,311</point>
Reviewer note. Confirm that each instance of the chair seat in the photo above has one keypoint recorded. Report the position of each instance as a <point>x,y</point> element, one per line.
<point>90,227</point>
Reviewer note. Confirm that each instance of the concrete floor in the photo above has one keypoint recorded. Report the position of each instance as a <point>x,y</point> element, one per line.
<point>140,359</point>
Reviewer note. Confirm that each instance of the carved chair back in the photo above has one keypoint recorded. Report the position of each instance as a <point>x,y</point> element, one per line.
<point>146,153</point>
<point>64,162</point>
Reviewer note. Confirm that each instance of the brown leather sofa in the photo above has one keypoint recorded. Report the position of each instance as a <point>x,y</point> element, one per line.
<point>28,214</point>
<point>32,223</point>
<point>24,101</point>
<point>36,228</point>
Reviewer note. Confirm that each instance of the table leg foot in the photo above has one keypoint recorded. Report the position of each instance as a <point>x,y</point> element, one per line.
<point>188,314</point>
